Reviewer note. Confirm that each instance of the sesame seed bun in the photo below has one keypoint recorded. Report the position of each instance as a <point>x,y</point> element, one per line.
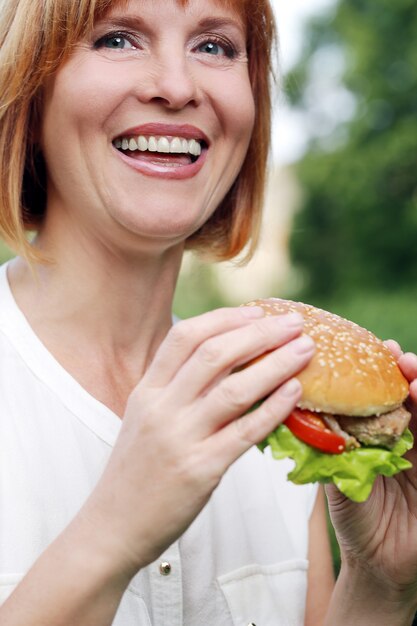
<point>352,371</point>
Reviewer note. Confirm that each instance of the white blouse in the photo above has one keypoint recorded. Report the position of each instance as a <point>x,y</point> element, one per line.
<point>242,561</point>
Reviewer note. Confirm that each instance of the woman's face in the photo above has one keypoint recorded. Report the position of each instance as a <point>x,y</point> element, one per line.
<point>147,124</point>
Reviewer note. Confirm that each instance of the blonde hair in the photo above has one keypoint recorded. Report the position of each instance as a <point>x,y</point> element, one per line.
<point>35,37</point>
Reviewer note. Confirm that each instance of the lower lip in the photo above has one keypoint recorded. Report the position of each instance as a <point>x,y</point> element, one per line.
<point>155,170</point>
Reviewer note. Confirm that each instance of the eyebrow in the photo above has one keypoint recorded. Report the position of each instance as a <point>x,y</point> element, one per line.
<point>123,21</point>
<point>135,21</point>
<point>218,22</point>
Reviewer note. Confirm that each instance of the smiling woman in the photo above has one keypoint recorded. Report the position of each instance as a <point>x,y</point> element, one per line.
<point>163,85</point>
<point>27,62</point>
<point>131,490</point>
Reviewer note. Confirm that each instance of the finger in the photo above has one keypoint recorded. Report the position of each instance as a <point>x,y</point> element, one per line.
<point>411,404</point>
<point>408,365</point>
<point>229,443</point>
<point>238,392</point>
<point>413,391</point>
<point>395,347</point>
<point>217,356</point>
<point>185,336</point>
<point>335,498</point>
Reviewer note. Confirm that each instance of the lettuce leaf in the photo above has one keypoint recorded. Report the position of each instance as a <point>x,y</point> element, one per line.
<point>353,472</point>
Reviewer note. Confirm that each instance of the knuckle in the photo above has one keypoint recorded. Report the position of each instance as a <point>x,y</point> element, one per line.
<point>255,426</point>
<point>197,471</point>
<point>267,413</point>
<point>247,428</point>
<point>234,397</point>
<point>263,328</point>
<point>181,333</point>
<point>279,360</point>
<point>211,352</point>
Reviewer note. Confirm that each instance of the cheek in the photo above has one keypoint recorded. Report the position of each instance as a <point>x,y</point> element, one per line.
<point>239,108</point>
<point>246,117</point>
<point>78,98</point>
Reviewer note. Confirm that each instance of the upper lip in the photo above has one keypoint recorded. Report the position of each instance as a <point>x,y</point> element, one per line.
<point>186,131</point>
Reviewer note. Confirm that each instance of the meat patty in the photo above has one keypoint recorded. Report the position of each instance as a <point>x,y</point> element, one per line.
<point>382,430</point>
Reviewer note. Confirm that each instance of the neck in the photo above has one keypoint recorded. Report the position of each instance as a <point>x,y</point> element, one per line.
<point>102,315</point>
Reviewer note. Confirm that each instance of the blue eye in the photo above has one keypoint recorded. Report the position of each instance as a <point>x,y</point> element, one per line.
<point>212,48</point>
<point>114,41</point>
<point>217,48</point>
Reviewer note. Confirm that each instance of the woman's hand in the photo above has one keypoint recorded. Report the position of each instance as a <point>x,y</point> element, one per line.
<point>379,536</point>
<point>187,421</point>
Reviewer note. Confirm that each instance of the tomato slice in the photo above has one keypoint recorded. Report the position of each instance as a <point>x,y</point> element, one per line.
<point>310,428</point>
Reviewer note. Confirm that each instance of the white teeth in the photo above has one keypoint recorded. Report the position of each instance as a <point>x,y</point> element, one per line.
<point>142,143</point>
<point>163,144</point>
<point>152,144</point>
<point>177,145</point>
<point>194,148</point>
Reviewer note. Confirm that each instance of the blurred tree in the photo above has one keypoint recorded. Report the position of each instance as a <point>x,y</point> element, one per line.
<point>197,289</point>
<point>357,79</point>
<point>354,237</point>
<point>5,253</point>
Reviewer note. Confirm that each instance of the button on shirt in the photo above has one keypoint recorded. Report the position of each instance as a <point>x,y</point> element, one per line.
<point>242,561</point>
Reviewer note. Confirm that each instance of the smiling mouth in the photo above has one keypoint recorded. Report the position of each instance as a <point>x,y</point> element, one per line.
<point>161,150</point>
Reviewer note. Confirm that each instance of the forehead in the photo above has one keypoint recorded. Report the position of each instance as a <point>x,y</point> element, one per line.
<point>236,6</point>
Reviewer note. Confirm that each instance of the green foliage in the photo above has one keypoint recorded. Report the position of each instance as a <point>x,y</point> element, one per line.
<point>197,289</point>
<point>355,235</point>
<point>357,228</point>
<point>5,253</point>
<point>359,223</point>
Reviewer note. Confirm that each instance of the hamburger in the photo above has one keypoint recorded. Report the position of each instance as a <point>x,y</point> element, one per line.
<point>351,423</point>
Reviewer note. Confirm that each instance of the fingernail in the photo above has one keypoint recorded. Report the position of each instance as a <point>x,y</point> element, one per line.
<point>303,344</point>
<point>290,388</point>
<point>252,311</point>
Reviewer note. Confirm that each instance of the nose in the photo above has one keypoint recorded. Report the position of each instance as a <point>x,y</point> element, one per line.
<point>170,80</point>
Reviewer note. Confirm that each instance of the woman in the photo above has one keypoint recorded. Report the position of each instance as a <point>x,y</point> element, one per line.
<point>131,490</point>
